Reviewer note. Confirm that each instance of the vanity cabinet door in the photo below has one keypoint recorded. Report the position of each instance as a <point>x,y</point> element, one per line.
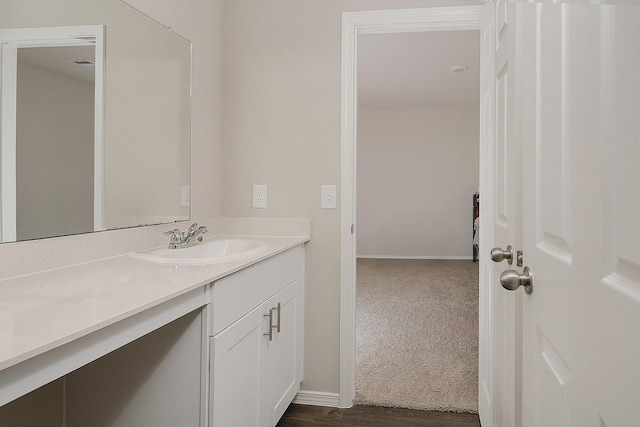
<point>282,380</point>
<point>256,367</point>
<point>236,391</point>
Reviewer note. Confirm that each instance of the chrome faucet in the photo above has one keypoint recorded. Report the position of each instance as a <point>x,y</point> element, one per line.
<point>194,235</point>
<point>191,237</point>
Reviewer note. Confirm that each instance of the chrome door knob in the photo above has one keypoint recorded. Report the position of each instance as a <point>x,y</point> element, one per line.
<point>499,255</point>
<point>512,280</point>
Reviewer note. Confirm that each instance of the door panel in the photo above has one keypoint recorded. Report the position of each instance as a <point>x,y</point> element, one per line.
<point>498,383</point>
<point>553,145</point>
<point>614,287</point>
<point>486,338</point>
<point>501,160</point>
<point>580,122</point>
<point>485,367</point>
<point>507,178</point>
<point>501,21</point>
<point>621,35</point>
<point>553,377</point>
<point>549,313</point>
<point>282,382</point>
<point>235,373</point>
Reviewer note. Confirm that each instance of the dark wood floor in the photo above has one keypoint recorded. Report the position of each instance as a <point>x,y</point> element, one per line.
<point>373,416</point>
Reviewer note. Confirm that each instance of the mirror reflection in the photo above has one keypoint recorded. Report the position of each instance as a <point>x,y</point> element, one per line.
<point>95,118</point>
<point>54,142</point>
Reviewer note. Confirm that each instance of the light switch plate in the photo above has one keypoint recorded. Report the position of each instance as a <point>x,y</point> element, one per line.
<point>329,197</point>
<point>185,196</point>
<point>259,196</point>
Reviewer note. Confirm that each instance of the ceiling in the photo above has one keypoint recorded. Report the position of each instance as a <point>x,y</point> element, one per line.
<point>413,69</point>
<point>58,60</point>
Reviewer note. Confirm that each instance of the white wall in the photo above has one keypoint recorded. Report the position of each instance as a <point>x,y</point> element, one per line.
<point>146,127</point>
<point>281,79</point>
<point>200,21</point>
<point>417,169</point>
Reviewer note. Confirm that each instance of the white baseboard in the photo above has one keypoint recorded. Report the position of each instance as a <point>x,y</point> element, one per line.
<point>317,398</point>
<point>464,257</point>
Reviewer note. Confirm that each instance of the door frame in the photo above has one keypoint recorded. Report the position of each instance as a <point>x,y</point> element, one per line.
<point>459,18</point>
<point>10,41</point>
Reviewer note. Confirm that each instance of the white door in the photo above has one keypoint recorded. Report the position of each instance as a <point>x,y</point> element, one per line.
<point>581,201</point>
<point>500,174</point>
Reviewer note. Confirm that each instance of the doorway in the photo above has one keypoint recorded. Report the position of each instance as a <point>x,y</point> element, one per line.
<point>355,24</point>
<point>417,170</point>
<point>61,79</point>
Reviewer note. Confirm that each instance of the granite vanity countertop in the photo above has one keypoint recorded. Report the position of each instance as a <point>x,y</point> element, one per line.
<point>42,311</point>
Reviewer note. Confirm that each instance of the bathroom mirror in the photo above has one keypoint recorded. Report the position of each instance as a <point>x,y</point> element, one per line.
<point>95,119</point>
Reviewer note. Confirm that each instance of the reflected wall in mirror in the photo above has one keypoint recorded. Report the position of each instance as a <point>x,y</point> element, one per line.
<point>52,122</point>
<point>108,147</point>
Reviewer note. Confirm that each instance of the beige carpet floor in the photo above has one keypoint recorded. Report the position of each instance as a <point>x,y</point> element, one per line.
<point>417,334</point>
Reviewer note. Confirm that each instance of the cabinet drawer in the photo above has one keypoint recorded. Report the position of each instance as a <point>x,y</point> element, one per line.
<point>235,295</point>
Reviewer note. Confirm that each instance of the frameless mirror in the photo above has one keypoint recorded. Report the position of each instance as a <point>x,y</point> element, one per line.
<point>95,119</point>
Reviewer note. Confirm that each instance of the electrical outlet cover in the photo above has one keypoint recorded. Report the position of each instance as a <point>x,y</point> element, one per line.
<point>259,196</point>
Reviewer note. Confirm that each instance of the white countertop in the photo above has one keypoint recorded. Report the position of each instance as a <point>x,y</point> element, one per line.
<point>42,311</point>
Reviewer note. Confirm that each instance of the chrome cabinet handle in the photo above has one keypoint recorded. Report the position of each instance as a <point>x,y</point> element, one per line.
<point>270,316</point>
<point>499,255</point>
<point>512,280</point>
<point>271,325</point>
<point>278,323</point>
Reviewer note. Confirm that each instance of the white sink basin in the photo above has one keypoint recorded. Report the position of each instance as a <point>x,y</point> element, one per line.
<point>213,251</point>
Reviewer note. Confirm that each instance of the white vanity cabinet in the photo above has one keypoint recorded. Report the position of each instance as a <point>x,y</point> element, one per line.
<point>256,327</point>
<point>125,342</point>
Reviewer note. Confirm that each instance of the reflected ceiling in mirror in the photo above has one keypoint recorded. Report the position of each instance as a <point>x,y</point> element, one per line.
<point>95,118</point>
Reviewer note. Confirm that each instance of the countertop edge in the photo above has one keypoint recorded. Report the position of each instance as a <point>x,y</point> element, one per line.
<point>286,243</point>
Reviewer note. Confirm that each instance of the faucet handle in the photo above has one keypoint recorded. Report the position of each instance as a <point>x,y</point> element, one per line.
<point>176,235</point>
<point>192,229</point>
